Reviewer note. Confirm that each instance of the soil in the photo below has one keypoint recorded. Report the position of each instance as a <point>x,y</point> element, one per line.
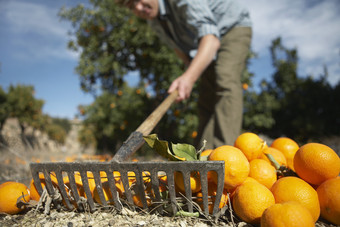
<point>18,151</point>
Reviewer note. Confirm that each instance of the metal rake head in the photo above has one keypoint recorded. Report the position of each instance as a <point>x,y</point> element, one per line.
<point>112,183</point>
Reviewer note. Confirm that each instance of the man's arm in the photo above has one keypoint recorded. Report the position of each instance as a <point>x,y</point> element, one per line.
<point>206,52</point>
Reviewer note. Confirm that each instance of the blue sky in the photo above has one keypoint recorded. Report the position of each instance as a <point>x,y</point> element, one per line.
<point>33,45</point>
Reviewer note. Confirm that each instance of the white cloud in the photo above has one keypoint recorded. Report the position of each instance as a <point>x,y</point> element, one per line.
<point>311,26</point>
<point>36,30</point>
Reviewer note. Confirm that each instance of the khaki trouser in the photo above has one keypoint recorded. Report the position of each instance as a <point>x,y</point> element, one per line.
<point>220,101</point>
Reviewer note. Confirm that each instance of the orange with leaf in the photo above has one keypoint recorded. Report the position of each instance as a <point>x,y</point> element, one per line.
<point>276,154</point>
<point>288,147</point>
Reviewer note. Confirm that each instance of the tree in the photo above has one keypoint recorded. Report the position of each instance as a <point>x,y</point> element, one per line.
<point>111,118</point>
<point>114,42</point>
<point>23,105</point>
<point>299,107</point>
<point>4,109</point>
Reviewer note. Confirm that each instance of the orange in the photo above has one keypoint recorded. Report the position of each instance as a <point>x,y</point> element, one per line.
<point>277,155</point>
<point>250,144</point>
<point>212,189</point>
<point>263,172</point>
<point>236,165</point>
<point>288,147</point>
<point>295,189</point>
<point>10,192</point>
<point>132,176</point>
<point>195,181</point>
<point>107,192</point>
<point>316,163</point>
<point>163,183</point>
<point>206,152</point>
<point>148,195</point>
<point>251,199</point>
<point>79,184</point>
<point>290,213</point>
<point>248,179</point>
<point>34,195</point>
<point>329,197</point>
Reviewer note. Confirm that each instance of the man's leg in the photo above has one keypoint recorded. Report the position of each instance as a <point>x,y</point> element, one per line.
<point>206,103</point>
<point>221,100</point>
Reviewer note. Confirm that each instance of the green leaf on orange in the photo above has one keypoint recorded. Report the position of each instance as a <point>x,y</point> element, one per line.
<point>161,147</point>
<point>186,151</point>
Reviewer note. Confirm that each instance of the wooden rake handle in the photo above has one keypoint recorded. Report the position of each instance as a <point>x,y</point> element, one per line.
<point>136,140</point>
<point>150,123</point>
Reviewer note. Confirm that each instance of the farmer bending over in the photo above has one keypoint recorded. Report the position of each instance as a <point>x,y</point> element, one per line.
<point>212,37</point>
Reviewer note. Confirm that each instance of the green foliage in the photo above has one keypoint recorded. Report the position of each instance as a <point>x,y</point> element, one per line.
<point>178,152</point>
<point>113,42</point>
<point>56,133</point>
<point>298,107</point>
<point>4,108</point>
<point>23,105</point>
<point>63,123</point>
<point>86,136</point>
<point>112,117</point>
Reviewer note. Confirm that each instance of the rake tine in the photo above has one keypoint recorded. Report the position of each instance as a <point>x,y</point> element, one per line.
<point>113,189</point>
<point>204,185</point>
<point>220,186</point>
<point>50,188</point>
<point>62,189</point>
<point>99,187</point>
<point>188,193</point>
<point>140,188</point>
<point>87,190</point>
<point>155,188</point>
<point>74,189</point>
<point>127,189</point>
<point>172,192</point>
<point>36,180</point>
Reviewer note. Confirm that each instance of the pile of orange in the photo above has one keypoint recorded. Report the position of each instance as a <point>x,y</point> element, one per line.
<point>260,195</point>
<point>299,200</point>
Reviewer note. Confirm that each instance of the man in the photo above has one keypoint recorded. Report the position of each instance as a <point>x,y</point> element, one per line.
<point>212,37</point>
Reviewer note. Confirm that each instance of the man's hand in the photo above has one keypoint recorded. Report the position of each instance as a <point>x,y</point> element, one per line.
<point>184,85</point>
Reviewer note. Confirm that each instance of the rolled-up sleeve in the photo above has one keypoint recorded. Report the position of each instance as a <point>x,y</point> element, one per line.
<point>200,16</point>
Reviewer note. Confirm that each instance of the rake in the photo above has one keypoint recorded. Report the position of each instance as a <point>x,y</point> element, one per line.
<point>102,177</point>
